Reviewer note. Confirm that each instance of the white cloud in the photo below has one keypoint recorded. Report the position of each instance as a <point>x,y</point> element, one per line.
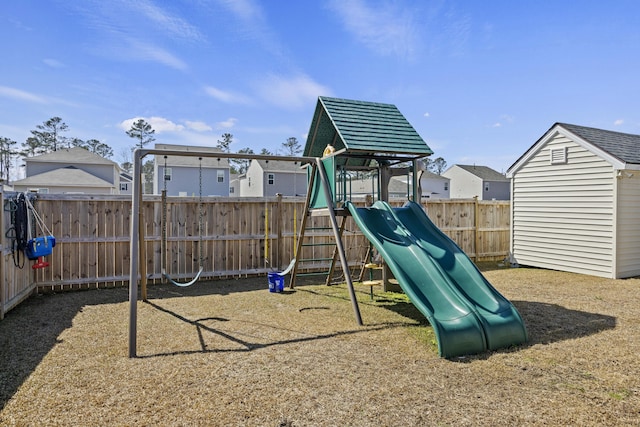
<point>385,28</point>
<point>150,52</point>
<point>496,125</point>
<point>226,96</point>
<point>198,126</point>
<point>172,24</point>
<point>21,95</point>
<point>618,122</point>
<point>159,124</point>
<point>427,114</point>
<point>291,92</point>
<point>246,10</point>
<point>227,124</point>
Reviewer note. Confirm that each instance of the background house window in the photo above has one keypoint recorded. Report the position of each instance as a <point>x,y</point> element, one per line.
<point>271,179</point>
<point>167,174</point>
<point>124,186</point>
<point>446,186</point>
<point>232,190</point>
<point>220,176</point>
<point>486,186</point>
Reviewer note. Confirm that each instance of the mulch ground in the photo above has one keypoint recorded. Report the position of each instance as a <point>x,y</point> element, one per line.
<point>229,353</point>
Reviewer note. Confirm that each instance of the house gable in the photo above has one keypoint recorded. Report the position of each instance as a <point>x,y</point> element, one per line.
<point>621,150</point>
<point>103,170</point>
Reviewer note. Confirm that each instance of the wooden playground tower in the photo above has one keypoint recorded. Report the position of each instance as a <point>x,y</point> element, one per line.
<point>354,136</point>
<point>345,136</point>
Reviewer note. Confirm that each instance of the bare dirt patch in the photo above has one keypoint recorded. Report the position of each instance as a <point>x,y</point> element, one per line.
<point>231,353</point>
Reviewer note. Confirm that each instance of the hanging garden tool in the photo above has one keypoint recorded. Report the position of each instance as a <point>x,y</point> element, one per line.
<point>37,247</point>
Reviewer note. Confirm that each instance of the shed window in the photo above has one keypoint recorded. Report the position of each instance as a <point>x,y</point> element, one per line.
<point>271,179</point>
<point>220,176</point>
<point>558,155</point>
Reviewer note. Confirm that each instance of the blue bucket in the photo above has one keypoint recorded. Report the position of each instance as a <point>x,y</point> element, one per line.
<point>276,282</point>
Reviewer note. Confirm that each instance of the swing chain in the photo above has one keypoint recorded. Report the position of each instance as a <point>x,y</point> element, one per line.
<point>200,216</point>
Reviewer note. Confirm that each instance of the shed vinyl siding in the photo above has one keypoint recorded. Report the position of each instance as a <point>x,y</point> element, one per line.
<point>628,239</point>
<point>563,214</point>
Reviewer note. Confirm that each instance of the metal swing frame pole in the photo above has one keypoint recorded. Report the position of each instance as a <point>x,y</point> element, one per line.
<point>134,253</point>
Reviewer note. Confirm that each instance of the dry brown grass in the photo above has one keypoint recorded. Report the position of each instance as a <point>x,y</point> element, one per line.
<point>230,353</point>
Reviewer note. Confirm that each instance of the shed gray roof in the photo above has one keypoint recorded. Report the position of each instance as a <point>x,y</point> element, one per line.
<point>362,128</point>
<point>623,146</point>
<point>484,172</point>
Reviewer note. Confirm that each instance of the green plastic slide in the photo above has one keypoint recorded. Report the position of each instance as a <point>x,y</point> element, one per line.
<point>468,315</point>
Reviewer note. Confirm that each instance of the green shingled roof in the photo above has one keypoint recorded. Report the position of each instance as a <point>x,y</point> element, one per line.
<point>362,128</point>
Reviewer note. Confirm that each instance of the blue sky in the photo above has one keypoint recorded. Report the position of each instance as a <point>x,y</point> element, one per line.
<point>480,81</point>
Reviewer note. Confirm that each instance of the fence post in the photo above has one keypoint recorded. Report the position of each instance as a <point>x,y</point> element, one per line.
<point>476,227</point>
<point>278,217</point>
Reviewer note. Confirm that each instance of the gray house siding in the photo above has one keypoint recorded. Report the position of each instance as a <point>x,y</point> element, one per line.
<point>287,184</point>
<point>185,181</point>
<point>498,190</point>
<point>288,179</point>
<point>185,172</point>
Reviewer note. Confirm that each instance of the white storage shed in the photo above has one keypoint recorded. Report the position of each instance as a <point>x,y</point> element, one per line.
<point>575,202</point>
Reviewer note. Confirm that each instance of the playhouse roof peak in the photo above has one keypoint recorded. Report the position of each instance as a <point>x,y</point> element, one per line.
<point>362,128</point>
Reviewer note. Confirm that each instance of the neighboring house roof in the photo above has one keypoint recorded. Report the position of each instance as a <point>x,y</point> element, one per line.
<point>76,155</point>
<point>69,176</point>
<point>191,161</point>
<point>623,146</point>
<point>280,166</point>
<point>362,128</point>
<point>485,173</point>
<point>621,149</point>
<point>431,175</point>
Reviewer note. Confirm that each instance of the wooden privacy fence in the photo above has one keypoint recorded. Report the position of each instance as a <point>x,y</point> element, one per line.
<point>240,237</point>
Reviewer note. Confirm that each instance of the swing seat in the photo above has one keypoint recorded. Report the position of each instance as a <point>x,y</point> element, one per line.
<point>39,247</point>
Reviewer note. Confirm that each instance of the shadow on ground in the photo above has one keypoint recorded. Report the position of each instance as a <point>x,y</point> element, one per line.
<point>31,330</point>
<point>545,323</point>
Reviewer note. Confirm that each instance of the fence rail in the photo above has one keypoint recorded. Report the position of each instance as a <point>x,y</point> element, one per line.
<point>239,237</point>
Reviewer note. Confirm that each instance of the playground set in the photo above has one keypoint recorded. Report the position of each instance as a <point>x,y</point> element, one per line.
<point>467,313</point>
